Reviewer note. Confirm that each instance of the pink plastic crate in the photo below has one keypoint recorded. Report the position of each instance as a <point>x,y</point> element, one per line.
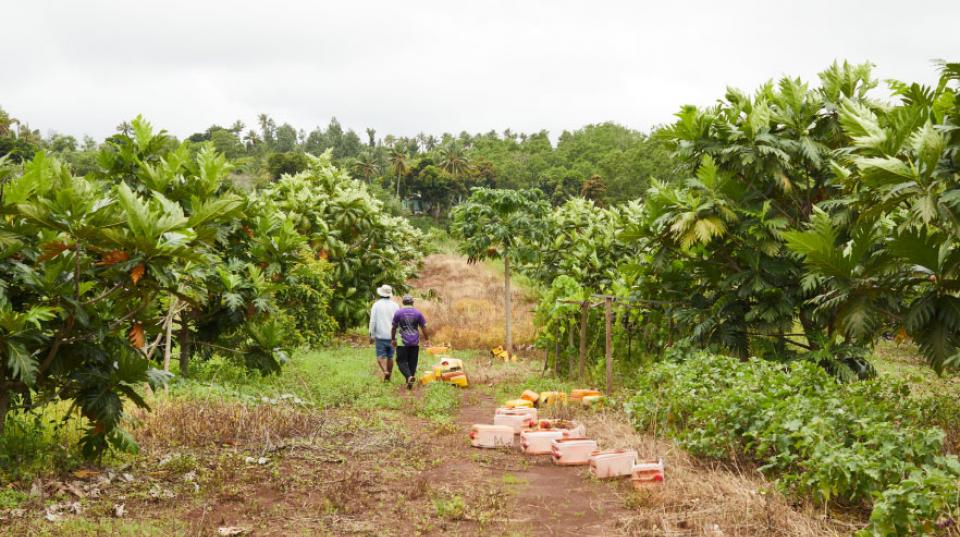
<point>646,473</point>
<point>570,427</point>
<point>516,418</point>
<point>530,412</point>
<point>539,442</point>
<point>572,451</point>
<point>491,436</point>
<point>613,463</point>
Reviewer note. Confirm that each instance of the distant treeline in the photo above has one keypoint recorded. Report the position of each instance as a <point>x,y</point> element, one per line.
<point>605,162</point>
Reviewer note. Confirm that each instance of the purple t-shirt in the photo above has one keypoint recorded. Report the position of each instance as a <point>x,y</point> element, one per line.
<point>407,320</point>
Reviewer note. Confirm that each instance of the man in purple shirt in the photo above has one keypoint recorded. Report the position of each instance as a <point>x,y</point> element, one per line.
<point>410,322</point>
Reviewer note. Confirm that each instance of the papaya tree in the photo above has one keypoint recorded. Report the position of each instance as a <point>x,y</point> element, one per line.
<point>501,224</point>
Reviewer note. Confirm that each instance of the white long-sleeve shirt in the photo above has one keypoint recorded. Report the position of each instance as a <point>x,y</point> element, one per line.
<point>381,318</point>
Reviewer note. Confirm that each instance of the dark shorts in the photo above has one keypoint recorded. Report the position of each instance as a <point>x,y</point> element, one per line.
<point>384,348</point>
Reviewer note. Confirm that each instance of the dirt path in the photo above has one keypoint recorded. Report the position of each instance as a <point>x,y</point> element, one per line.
<point>563,500</point>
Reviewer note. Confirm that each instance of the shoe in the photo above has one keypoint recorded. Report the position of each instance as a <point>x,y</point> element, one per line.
<point>410,382</point>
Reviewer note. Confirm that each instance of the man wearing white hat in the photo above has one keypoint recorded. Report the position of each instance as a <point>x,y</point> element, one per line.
<point>381,324</point>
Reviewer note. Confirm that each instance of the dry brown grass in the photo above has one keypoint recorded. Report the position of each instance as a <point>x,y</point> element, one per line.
<point>463,304</point>
<point>698,498</point>
<point>195,423</point>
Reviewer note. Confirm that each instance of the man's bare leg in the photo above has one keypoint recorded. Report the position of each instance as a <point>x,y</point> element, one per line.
<point>386,366</point>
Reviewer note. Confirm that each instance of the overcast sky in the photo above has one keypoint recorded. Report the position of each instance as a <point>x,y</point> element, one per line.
<point>404,67</point>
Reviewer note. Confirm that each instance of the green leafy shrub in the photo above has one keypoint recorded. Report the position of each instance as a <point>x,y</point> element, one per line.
<point>35,440</point>
<point>305,297</point>
<point>851,444</point>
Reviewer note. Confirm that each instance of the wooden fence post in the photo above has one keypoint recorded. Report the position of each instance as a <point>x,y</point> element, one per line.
<point>608,313</point>
<point>584,312</point>
<point>556,352</point>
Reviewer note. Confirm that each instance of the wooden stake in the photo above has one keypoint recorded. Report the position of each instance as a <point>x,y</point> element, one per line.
<point>507,304</point>
<point>584,311</point>
<point>169,329</point>
<point>556,353</point>
<point>608,313</point>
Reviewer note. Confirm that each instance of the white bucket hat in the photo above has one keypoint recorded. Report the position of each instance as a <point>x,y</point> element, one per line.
<point>385,291</point>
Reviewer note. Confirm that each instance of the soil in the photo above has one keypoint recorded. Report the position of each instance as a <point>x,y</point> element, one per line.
<point>564,500</point>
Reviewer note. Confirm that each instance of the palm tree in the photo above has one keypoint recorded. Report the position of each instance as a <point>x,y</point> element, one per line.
<point>251,139</point>
<point>366,165</point>
<point>400,163</point>
<point>453,160</point>
<point>267,126</point>
<point>7,122</point>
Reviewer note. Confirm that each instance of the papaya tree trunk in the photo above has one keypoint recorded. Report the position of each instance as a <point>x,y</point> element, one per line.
<point>507,305</point>
<point>184,338</point>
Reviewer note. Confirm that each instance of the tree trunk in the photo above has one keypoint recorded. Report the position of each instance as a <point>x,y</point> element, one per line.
<point>184,344</point>
<point>584,311</point>
<point>507,305</point>
<point>810,331</point>
<point>556,354</point>
<point>570,346</point>
<point>4,406</point>
<point>608,347</point>
<point>398,187</point>
<point>168,335</point>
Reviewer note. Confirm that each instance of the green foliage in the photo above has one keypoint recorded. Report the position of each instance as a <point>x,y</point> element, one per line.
<point>854,444</point>
<point>497,224</point>
<point>713,247</point>
<point>306,298</point>
<point>32,442</point>
<point>11,499</point>
<point>95,270</point>
<point>585,244</point>
<point>889,258</point>
<point>453,508</point>
<point>84,264</point>
<point>339,219</point>
<point>289,163</point>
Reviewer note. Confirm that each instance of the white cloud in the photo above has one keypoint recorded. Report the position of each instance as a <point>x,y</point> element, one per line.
<point>83,67</point>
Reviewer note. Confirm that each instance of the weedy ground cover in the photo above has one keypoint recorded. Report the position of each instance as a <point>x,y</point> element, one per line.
<point>866,445</point>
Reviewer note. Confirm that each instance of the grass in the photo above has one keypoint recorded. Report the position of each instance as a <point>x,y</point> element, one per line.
<point>439,404</point>
<point>11,499</point>
<point>38,440</point>
<point>337,377</point>
<point>450,508</point>
<point>510,479</point>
